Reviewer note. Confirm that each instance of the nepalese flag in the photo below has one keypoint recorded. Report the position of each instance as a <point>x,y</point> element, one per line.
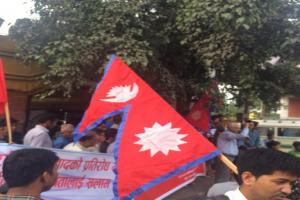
<point>153,143</point>
<point>199,115</point>
<point>3,93</point>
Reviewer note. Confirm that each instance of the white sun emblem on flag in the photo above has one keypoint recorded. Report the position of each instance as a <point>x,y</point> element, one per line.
<point>160,139</point>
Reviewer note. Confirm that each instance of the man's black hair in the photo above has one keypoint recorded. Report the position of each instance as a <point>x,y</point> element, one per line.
<point>296,143</point>
<point>89,135</point>
<point>22,167</point>
<point>272,143</point>
<point>264,161</point>
<point>86,137</point>
<point>44,118</point>
<point>214,117</point>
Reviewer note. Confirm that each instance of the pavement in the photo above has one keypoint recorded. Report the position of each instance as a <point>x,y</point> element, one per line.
<point>194,190</point>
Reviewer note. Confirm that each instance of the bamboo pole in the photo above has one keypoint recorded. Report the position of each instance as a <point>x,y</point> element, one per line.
<point>8,124</point>
<point>228,163</point>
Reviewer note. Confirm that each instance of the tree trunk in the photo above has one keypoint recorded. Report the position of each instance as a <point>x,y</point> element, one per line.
<point>246,109</point>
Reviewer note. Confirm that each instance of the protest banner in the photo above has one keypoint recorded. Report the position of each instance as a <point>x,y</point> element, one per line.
<point>85,175</point>
<point>82,175</point>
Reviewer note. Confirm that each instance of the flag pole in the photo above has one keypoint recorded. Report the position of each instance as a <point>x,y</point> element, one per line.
<point>8,124</point>
<point>228,163</point>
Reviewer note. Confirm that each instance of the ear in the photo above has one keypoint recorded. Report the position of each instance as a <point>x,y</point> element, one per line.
<point>45,177</point>
<point>248,178</point>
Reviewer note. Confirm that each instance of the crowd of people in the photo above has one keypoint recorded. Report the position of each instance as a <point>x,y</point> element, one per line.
<point>264,172</point>
<point>100,139</point>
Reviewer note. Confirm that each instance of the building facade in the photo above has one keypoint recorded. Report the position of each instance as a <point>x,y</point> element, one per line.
<point>24,83</point>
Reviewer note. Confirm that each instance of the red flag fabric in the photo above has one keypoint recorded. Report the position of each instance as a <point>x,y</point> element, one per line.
<point>199,115</point>
<point>153,142</point>
<point>3,93</point>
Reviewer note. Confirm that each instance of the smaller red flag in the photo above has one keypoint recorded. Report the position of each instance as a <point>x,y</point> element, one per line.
<point>3,94</point>
<point>199,114</point>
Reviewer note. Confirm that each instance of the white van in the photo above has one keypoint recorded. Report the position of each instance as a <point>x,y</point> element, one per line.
<point>285,131</point>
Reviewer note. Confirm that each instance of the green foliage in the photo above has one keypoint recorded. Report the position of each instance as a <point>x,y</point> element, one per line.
<point>172,44</point>
<point>237,38</point>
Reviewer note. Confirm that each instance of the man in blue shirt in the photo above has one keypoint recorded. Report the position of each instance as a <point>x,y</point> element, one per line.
<point>254,136</point>
<point>65,138</point>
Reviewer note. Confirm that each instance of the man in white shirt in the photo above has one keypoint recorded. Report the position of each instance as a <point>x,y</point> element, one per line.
<point>264,174</point>
<point>227,142</point>
<point>221,188</point>
<point>86,143</point>
<point>39,135</point>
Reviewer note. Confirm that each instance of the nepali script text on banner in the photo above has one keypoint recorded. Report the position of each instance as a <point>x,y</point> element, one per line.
<point>81,175</point>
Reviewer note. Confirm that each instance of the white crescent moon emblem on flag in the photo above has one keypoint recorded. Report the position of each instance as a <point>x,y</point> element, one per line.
<point>121,94</point>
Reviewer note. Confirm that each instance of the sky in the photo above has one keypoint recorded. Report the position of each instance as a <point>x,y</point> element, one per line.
<point>10,10</point>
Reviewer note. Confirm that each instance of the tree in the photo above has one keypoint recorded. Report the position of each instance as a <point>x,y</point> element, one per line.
<point>236,38</point>
<point>172,44</point>
<point>73,40</point>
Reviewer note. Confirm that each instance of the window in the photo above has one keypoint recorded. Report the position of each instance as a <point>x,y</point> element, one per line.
<point>289,132</point>
<point>264,131</point>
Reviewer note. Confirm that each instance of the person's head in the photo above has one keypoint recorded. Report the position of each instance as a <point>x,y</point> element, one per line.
<point>215,119</point>
<point>234,127</point>
<point>296,145</point>
<point>46,120</point>
<point>270,135</point>
<point>110,135</point>
<point>100,136</point>
<point>26,167</point>
<point>89,140</point>
<point>252,124</point>
<point>275,145</point>
<point>67,130</point>
<point>265,174</point>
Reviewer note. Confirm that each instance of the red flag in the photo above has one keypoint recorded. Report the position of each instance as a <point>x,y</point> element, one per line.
<point>199,114</point>
<point>3,94</point>
<point>153,143</point>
